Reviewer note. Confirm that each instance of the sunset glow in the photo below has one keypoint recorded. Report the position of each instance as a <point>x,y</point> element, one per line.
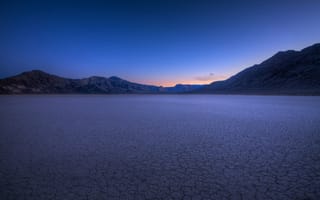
<point>152,42</point>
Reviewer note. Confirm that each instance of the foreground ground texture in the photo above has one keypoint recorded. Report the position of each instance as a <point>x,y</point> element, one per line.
<point>159,147</point>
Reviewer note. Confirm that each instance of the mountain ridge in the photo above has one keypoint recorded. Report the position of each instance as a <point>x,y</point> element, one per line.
<point>285,73</point>
<point>40,82</point>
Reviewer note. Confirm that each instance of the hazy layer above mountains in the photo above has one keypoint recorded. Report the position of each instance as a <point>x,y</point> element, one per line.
<point>287,72</point>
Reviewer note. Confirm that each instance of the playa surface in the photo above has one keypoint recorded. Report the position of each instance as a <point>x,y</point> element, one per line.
<point>159,147</point>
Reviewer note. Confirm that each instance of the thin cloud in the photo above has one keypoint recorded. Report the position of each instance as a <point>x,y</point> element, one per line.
<point>210,77</point>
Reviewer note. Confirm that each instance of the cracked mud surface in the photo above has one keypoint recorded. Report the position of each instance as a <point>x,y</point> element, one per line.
<point>159,147</point>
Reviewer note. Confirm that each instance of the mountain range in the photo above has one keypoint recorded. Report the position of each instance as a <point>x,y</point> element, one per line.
<point>39,82</point>
<point>287,72</point>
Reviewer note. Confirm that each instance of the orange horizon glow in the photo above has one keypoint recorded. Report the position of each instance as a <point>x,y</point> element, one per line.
<point>169,83</point>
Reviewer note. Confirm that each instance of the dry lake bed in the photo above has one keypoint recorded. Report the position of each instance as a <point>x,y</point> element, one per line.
<point>159,147</point>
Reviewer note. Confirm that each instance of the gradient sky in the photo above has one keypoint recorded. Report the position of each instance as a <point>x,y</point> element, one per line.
<point>152,41</point>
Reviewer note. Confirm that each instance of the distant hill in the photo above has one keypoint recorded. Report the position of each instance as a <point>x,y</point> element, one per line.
<point>39,82</point>
<point>288,72</point>
<point>181,88</point>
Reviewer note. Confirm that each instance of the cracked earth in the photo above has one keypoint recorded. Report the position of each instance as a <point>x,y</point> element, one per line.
<point>159,147</point>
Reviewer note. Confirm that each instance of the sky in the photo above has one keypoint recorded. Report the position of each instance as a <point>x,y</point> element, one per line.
<point>159,42</point>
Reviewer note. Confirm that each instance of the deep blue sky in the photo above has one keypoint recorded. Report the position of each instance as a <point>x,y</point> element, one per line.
<point>156,42</point>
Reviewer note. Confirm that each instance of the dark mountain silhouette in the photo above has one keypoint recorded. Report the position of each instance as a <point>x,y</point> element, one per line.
<point>40,82</point>
<point>181,88</point>
<point>287,72</point>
